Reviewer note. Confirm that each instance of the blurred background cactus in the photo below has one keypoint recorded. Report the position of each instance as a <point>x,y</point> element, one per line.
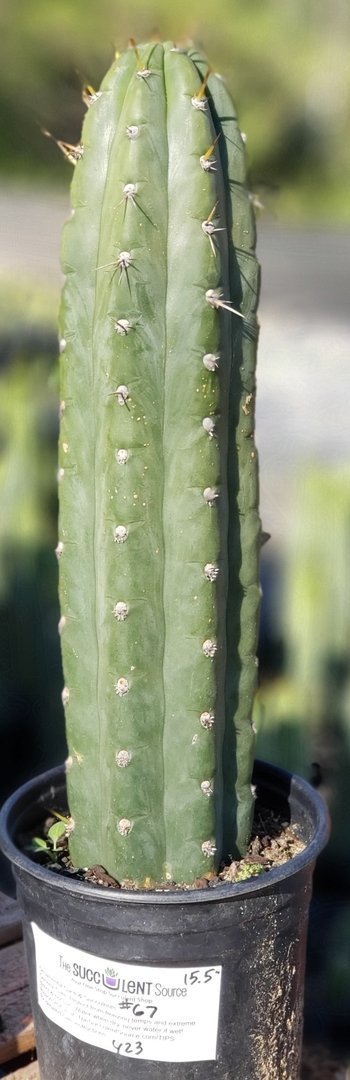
<point>30,667</point>
<point>303,713</point>
<point>287,65</point>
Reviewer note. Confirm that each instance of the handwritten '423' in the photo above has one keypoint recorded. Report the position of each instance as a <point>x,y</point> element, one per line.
<point>129,1049</point>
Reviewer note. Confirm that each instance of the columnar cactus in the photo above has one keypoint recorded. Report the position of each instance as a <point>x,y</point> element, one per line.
<point>159,531</point>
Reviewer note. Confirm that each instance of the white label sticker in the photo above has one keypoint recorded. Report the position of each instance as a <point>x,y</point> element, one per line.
<point>152,1013</point>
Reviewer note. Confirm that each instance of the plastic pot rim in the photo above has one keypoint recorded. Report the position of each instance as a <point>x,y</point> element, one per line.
<point>299,789</point>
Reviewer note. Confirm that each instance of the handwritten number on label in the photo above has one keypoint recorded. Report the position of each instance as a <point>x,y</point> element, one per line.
<point>208,974</point>
<point>149,1009</point>
<point>128,1048</point>
<point>195,976</point>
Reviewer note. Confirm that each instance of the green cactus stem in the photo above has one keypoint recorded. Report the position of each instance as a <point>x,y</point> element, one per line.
<point>159,532</point>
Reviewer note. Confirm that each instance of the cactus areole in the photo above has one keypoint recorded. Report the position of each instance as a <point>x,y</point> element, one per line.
<point>159,532</point>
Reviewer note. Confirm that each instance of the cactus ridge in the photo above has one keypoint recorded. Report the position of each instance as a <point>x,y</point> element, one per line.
<point>159,531</point>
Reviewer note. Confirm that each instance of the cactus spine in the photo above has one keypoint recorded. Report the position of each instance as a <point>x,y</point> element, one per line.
<point>159,531</point>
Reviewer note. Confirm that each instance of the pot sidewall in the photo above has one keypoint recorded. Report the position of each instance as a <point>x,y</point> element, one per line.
<point>255,932</point>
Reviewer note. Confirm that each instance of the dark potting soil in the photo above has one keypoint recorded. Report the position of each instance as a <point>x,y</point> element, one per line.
<point>274,841</point>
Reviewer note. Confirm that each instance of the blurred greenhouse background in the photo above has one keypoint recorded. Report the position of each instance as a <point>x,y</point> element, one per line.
<point>286,62</point>
<point>287,65</point>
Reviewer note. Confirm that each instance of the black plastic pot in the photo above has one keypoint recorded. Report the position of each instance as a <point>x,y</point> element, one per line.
<point>228,1003</point>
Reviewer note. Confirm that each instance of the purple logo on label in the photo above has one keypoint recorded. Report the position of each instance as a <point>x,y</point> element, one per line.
<point>111,982</point>
<point>110,978</point>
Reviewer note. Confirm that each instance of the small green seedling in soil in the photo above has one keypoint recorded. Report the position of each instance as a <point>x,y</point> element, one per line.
<point>49,845</point>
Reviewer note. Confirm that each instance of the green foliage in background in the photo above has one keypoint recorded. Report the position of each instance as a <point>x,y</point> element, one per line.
<point>28,419</point>
<point>283,735</point>
<point>30,669</point>
<point>286,64</point>
<point>316,608</point>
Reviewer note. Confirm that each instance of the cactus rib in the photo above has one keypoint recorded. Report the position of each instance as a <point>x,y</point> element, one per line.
<point>159,532</point>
